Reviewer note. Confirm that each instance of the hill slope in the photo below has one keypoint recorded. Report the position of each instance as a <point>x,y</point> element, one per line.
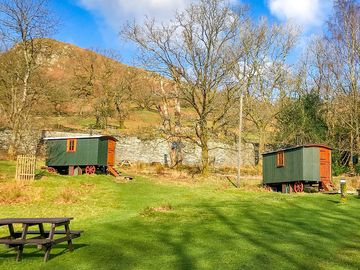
<point>81,86</point>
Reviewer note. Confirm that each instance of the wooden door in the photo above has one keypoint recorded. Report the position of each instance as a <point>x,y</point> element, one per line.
<point>325,164</point>
<point>111,153</point>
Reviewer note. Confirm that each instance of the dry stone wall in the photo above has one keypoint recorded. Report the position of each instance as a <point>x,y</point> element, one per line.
<point>148,151</point>
<point>156,150</point>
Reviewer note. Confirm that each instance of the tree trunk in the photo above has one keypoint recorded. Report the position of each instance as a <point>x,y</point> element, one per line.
<point>121,123</point>
<point>163,110</point>
<point>12,150</point>
<point>205,159</point>
<point>261,146</point>
<point>177,129</point>
<point>351,164</point>
<point>97,122</point>
<point>14,141</point>
<point>172,152</point>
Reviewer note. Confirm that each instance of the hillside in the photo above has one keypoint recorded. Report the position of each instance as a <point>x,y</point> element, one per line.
<point>80,81</point>
<point>81,86</point>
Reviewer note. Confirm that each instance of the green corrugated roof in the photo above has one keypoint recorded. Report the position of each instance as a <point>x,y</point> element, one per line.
<point>81,137</point>
<point>298,146</point>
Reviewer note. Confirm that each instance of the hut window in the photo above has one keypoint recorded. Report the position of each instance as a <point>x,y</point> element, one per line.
<point>280,159</point>
<point>71,145</point>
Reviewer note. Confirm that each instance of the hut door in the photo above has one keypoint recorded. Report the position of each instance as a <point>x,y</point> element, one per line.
<point>111,153</point>
<point>325,168</point>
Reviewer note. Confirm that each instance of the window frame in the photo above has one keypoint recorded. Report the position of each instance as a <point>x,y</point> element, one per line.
<point>280,159</point>
<point>71,145</point>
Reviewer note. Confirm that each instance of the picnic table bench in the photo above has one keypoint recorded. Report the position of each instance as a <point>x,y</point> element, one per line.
<point>43,239</point>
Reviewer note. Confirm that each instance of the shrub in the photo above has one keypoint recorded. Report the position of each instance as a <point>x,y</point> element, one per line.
<point>18,192</point>
<point>150,211</point>
<point>159,169</point>
<point>357,169</point>
<point>339,169</point>
<point>354,183</point>
<point>68,196</point>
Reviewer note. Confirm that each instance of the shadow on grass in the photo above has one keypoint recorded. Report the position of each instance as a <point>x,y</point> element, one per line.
<point>40,174</point>
<point>263,232</point>
<point>239,235</point>
<point>334,201</point>
<point>31,251</point>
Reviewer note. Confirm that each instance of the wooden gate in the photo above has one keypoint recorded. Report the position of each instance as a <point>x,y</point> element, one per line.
<point>25,167</point>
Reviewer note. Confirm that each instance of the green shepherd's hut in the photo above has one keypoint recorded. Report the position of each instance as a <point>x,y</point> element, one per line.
<point>293,169</point>
<point>78,154</point>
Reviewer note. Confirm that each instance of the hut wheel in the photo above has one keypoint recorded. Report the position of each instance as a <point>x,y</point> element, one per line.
<point>298,187</point>
<point>51,170</point>
<point>90,169</point>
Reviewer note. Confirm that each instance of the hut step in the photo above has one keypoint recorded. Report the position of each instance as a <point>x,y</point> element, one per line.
<point>113,171</point>
<point>328,186</point>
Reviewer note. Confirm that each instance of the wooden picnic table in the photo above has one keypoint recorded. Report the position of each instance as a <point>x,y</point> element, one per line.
<point>43,239</point>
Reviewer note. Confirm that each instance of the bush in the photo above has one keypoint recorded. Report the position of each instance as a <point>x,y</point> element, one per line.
<point>357,169</point>
<point>68,196</point>
<point>150,211</point>
<point>339,169</point>
<point>18,192</point>
<point>159,169</point>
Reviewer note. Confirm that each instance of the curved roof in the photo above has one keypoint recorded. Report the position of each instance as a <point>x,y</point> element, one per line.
<point>299,146</point>
<point>81,137</point>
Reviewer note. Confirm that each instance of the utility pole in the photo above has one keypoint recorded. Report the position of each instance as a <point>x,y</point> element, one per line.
<point>239,158</point>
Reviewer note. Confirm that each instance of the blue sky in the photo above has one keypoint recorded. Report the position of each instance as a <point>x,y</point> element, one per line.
<point>96,23</point>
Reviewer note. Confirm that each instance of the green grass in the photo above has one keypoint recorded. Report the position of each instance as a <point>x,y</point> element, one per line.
<point>201,227</point>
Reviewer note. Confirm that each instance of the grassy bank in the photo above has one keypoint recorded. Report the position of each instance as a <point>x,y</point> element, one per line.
<point>146,224</point>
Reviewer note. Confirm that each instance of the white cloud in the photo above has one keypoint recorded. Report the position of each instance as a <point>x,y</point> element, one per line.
<point>116,12</point>
<point>306,13</point>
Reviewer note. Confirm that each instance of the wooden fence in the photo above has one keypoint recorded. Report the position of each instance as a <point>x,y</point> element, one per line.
<point>25,167</point>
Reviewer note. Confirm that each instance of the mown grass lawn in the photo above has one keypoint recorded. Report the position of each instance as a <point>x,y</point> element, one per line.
<point>145,224</point>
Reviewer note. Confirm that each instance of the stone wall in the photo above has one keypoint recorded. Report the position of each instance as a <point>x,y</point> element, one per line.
<point>30,141</point>
<point>148,151</point>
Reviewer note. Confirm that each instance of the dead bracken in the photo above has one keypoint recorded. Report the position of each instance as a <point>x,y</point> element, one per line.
<point>150,211</point>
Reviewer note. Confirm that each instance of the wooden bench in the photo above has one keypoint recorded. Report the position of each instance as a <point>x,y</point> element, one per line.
<point>41,238</point>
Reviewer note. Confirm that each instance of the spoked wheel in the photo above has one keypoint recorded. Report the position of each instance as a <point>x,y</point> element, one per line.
<point>298,187</point>
<point>90,169</point>
<point>51,170</point>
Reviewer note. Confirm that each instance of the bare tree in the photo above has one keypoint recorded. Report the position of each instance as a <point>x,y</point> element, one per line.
<point>269,75</point>
<point>169,108</point>
<point>83,79</point>
<point>106,77</point>
<point>342,64</point>
<point>122,94</point>
<point>23,25</point>
<point>193,51</point>
<point>58,95</point>
<point>145,94</point>
<point>243,74</point>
